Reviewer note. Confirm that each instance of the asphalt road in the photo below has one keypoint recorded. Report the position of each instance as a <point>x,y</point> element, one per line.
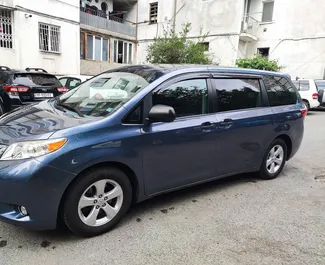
<point>233,221</point>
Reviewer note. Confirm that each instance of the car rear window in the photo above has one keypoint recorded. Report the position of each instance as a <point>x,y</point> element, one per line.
<point>280,91</point>
<point>36,80</point>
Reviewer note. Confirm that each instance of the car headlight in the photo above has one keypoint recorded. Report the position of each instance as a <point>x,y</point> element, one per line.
<point>30,149</point>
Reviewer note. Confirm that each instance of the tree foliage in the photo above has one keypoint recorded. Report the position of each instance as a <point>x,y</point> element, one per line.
<point>259,62</point>
<point>175,48</point>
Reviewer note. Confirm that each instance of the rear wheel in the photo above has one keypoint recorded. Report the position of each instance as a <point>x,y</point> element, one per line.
<point>97,202</point>
<point>274,160</point>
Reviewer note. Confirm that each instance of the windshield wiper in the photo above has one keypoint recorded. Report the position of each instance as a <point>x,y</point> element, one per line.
<point>63,106</point>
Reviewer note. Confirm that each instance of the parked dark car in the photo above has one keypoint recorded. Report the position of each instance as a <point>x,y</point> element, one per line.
<point>18,88</point>
<point>135,132</point>
<point>320,84</point>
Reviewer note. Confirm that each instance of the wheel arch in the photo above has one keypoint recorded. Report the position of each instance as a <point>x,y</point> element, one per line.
<point>286,138</point>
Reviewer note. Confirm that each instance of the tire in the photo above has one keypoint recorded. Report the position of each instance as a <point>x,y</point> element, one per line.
<point>265,171</point>
<point>77,216</point>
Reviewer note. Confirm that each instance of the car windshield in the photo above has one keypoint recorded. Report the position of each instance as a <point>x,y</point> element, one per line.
<point>105,93</point>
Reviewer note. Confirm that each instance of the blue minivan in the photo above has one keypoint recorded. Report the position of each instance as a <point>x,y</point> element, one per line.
<point>135,132</point>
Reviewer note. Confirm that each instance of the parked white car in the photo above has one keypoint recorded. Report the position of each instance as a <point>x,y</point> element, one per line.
<point>72,81</point>
<point>308,92</point>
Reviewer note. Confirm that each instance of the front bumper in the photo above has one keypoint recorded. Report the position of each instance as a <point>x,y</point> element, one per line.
<point>37,187</point>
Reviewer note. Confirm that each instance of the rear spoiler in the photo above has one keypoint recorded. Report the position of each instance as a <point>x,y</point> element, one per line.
<point>28,69</point>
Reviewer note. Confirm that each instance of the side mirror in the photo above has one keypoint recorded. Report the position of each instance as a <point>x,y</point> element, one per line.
<point>161,113</point>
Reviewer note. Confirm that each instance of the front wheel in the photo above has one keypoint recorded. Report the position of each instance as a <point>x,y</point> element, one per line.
<point>274,160</point>
<point>97,201</point>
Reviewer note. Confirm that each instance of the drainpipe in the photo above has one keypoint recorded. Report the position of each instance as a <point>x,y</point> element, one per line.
<point>136,34</point>
<point>174,15</point>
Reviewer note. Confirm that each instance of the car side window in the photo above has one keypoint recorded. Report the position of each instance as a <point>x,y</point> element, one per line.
<point>63,81</point>
<point>73,82</point>
<point>236,94</point>
<point>304,85</point>
<point>135,116</point>
<point>280,91</point>
<point>188,97</point>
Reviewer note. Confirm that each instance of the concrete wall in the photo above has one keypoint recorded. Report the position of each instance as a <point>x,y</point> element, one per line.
<point>26,51</point>
<point>219,19</point>
<point>296,37</point>
<point>89,67</point>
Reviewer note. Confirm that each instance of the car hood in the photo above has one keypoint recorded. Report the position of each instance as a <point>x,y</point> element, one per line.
<point>35,122</point>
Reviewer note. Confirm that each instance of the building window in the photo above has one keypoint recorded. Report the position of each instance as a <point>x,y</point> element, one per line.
<point>263,52</point>
<point>49,38</point>
<point>97,48</point>
<point>268,11</point>
<point>205,46</point>
<point>123,52</point>
<point>6,26</point>
<point>153,19</point>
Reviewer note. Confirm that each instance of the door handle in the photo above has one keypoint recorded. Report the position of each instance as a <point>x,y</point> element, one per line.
<point>207,125</point>
<point>226,122</point>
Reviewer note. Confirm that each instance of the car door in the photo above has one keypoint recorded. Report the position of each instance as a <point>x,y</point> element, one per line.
<point>181,152</point>
<point>244,123</point>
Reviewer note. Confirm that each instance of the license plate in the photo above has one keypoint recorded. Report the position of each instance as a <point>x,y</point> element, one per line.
<point>43,95</point>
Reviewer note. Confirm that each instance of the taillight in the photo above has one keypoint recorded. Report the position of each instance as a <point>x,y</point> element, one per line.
<point>62,89</point>
<point>16,89</point>
<point>304,112</point>
<point>315,96</point>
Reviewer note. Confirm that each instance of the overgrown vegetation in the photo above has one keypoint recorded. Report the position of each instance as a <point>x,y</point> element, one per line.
<point>175,48</point>
<point>259,62</point>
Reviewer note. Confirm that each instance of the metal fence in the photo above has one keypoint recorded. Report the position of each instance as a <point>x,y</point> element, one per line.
<point>6,29</point>
<point>99,19</point>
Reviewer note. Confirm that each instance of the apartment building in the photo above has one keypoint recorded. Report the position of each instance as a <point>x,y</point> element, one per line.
<point>91,36</point>
<point>107,34</point>
<point>292,32</point>
<point>40,33</point>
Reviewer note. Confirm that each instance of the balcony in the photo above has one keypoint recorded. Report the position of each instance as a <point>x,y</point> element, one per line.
<point>249,29</point>
<point>101,20</point>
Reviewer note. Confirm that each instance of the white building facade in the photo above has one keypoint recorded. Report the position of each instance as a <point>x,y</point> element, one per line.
<point>91,36</point>
<point>107,34</point>
<point>40,33</point>
<point>290,31</point>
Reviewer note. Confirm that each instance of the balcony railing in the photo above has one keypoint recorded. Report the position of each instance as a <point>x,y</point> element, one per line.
<point>102,20</point>
<point>249,27</point>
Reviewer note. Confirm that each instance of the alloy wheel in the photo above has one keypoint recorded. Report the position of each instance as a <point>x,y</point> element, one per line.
<point>275,159</point>
<point>100,202</point>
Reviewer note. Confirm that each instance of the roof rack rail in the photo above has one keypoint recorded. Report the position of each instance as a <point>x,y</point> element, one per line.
<point>6,68</point>
<point>28,69</point>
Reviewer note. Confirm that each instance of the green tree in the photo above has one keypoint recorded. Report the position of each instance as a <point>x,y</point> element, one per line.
<point>259,62</point>
<point>175,48</point>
